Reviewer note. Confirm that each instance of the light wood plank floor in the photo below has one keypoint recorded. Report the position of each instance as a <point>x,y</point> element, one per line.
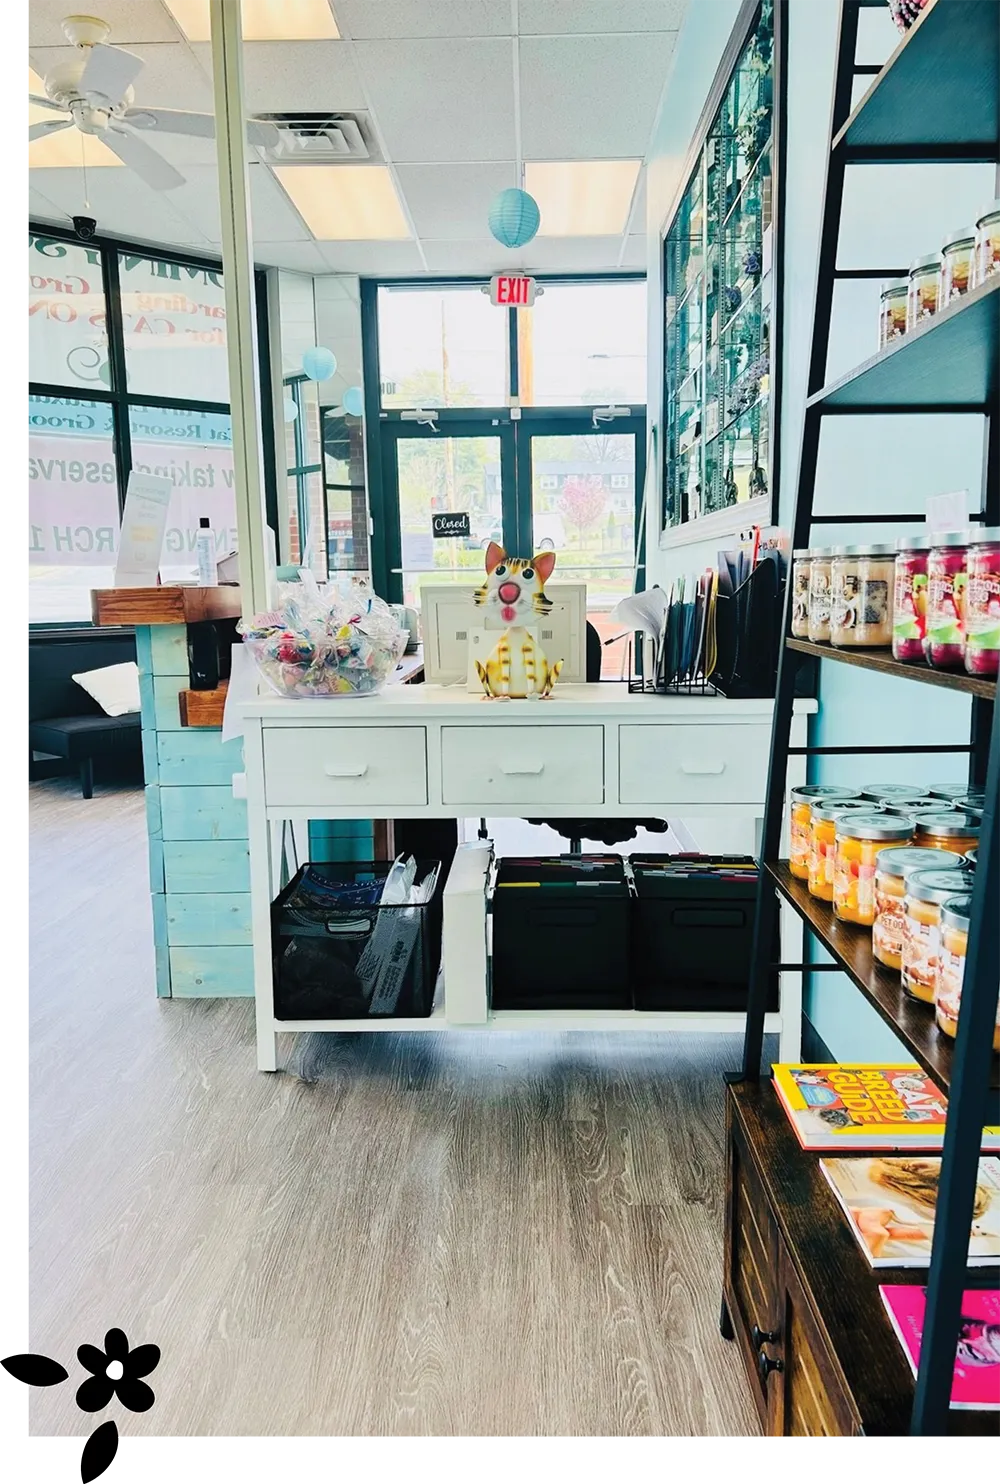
<point>423,1234</point>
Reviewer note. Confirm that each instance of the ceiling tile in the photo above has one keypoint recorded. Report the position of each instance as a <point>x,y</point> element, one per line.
<point>301,257</point>
<point>295,76</point>
<point>170,78</point>
<point>123,206</point>
<point>273,219</point>
<point>556,17</point>
<point>481,256</point>
<point>40,208</point>
<point>566,255</point>
<point>371,258</point>
<point>451,202</point>
<point>434,102</point>
<point>637,220</point>
<point>378,20</point>
<point>131,22</point>
<point>562,79</point>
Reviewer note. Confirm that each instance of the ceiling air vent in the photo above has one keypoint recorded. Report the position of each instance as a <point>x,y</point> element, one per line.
<point>322,138</point>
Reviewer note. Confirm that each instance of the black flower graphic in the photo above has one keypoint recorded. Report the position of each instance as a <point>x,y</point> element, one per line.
<point>116,1371</point>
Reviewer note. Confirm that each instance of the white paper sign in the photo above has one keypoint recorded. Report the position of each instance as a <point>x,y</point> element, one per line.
<point>948,512</point>
<point>144,525</point>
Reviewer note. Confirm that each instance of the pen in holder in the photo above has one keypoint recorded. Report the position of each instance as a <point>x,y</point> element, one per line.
<point>748,629</point>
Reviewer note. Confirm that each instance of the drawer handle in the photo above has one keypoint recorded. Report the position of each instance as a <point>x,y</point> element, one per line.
<point>766,1364</point>
<point>532,768</point>
<point>703,767</point>
<point>345,770</point>
<point>761,1337</point>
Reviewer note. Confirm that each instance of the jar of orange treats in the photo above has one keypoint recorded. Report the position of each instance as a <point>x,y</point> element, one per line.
<point>823,841</point>
<point>859,839</point>
<point>890,868</point>
<point>949,830</point>
<point>925,893</point>
<point>801,802</point>
<point>951,968</point>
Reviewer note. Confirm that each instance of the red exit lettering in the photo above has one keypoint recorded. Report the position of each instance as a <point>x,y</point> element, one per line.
<point>514,290</point>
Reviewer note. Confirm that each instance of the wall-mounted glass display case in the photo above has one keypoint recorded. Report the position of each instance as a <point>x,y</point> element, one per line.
<point>719,253</point>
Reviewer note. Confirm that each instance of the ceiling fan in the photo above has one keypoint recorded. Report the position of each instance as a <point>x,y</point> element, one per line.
<point>95,90</point>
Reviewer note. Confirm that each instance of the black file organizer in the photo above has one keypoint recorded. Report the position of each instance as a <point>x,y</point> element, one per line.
<point>560,945</point>
<point>747,634</point>
<point>692,934</point>
<point>317,946</point>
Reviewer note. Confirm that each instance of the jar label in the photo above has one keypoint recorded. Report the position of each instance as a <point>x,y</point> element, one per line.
<point>946,607</point>
<point>845,602</point>
<point>982,610</point>
<point>949,990</point>
<point>799,844</point>
<point>887,930</point>
<point>910,606</point>
<point>854,886</point>
<point>800,599</point>
<point>819,599</point>
<point>874,602</point>
<point>921,943</point>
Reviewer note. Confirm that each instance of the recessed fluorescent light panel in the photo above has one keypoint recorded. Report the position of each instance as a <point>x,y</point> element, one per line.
<point>345,203</point>
<point>263,20</point>
<point>582,198</point>
<point>67,149</point>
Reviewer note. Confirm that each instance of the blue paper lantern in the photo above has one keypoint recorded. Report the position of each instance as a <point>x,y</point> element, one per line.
<point>290,409</point>
<point>319,364</point>
<point>514,217</point>
<point>354,401</point>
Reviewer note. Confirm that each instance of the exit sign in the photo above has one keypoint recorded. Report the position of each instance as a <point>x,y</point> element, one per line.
<point>512,289</point>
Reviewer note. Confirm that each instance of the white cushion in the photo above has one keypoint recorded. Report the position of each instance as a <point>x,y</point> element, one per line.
<point>115,688</point>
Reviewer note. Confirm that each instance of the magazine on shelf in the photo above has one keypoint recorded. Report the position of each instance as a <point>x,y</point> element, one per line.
<point>864,1107</point>
<point>890,1203</point>
<point>976,1382</point>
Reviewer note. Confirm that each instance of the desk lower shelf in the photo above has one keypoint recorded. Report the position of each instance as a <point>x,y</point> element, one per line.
<point>704,1022</point>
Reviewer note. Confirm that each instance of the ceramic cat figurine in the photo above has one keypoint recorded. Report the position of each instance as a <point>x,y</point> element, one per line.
<point>512,597</point>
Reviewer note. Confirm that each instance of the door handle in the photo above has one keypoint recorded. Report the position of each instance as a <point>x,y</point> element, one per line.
<point>345,770</point>
<point>766,1364</point>
<point>703,767</point>
<point>532,768</point>
<point>760,1337</point>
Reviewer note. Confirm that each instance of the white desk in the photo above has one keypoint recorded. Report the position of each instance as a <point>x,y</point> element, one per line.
<point>590,750</point>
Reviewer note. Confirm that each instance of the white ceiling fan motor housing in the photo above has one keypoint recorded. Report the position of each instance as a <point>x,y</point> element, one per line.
<point>85,30</point>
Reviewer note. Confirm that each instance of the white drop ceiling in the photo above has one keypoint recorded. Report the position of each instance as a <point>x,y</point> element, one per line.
<point>456,94</point>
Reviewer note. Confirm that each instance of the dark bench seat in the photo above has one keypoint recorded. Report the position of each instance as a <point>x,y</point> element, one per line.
<point>63,720</point>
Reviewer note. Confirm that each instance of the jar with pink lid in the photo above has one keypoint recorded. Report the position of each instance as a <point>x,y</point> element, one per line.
<point>982,603</point>
<point>944,642</point>
<point>909,620</point>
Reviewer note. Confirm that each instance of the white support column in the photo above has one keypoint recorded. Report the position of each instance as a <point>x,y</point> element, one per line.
<point>241,325</point>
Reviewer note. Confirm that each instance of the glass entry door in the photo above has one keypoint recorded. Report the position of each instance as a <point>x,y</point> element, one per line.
<point>461,469</point>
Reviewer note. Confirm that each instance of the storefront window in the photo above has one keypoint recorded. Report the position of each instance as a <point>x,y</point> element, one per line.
<point>442,348</point>
<point>195,451</point>
<point>72,506</point>
<point>583,344</point>
<point>174,323</point>
<point>67,339</point>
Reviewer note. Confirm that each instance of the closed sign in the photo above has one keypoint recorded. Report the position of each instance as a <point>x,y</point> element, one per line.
<point>450,523</point>
<point>513,289</point>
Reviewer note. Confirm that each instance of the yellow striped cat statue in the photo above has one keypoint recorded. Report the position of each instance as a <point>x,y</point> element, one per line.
<point>511,598</point>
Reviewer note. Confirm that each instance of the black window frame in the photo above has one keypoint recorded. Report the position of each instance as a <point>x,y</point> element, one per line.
<point>118,398</point>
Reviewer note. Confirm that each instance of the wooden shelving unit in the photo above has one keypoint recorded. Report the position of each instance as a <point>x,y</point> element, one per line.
<point>203,708</point>
<point>936,99</point>
<point>155,605</point>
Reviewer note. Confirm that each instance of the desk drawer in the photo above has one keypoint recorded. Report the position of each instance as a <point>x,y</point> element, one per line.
<point>693,765</point>
<point>374,766</point>
<point>522,765</point>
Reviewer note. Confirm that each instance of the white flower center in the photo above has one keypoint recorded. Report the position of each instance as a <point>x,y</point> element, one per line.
<point>115,1371</point>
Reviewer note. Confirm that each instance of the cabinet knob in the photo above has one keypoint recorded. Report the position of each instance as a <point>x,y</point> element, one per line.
<point>766,1364</point>
<point>762,1336</point>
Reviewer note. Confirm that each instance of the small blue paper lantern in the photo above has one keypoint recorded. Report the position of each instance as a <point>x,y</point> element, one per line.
<point>290,409</point>
<point>514,217</point>
<point>319,364</point>
<point>354,401</point>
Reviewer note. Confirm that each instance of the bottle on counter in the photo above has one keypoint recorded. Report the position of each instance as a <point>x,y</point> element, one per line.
<point>205,550</point>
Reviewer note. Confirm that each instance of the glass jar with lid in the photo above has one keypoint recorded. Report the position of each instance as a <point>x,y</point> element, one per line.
<point>958,251</point>
<point>859,839</point>
<point>881,793</point>
<point>972,857</point>
<point>972,800</point>
<point>801,801</point>
<point>823,841</point>
<point>818,625</point>
<point>845,608</point>
<point>899,804</point>
<point>988,244</point>
<point>909,609</point>
<point>947,791</point>
<point>922,291</point>
<point>947,831</point>
<point>861,595</point>
<point>951,966</point>
<point>800,592</point>
<point>890,869</point>
<point>944,643</point>
<point>982,603</point>
<point>892,310</point>
<point>925,893</point>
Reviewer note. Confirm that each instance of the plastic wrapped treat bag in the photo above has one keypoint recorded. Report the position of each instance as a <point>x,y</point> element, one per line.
<point>330,641</point>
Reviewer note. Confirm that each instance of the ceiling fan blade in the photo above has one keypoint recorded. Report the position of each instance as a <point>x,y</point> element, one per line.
<point>110,71</point>
<point>197,125</point>
<point>51,126</point>
<point>45,103</point>
<point>137,155</point>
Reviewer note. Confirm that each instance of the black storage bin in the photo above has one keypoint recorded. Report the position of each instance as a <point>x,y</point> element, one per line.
<point>338,955</point>
<point>562,944</point>
<point>692,933</point>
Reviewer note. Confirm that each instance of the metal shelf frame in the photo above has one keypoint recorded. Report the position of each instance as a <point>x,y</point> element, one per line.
<point>874,130</point>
